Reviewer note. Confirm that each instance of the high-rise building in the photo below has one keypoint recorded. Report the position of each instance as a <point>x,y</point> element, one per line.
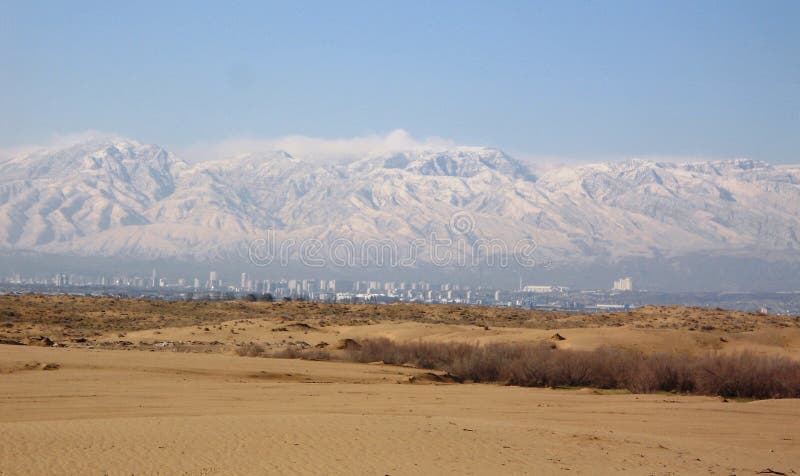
<point>623,284</point>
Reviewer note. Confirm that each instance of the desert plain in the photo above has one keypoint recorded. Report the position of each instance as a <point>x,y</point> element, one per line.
<point>92,385</point>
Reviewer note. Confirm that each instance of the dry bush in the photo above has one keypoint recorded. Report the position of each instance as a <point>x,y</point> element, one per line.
<point>747,375</point>
<point>251,350</point>
<point>315,354</point>
<point>296,352</point>
<point>426,355</point>
<point>664,372</point>
<point>743,375</point>
<point>289,352</point>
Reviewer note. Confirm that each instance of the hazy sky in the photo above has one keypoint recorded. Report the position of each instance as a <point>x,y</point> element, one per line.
<point>581,80</point>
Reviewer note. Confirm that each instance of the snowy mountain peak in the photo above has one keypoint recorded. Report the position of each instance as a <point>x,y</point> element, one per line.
<point>461,162</point>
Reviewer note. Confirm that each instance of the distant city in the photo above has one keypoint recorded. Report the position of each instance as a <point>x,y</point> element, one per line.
<point>620,296</point>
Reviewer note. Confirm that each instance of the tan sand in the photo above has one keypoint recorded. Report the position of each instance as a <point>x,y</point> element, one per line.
<point>134,412</point>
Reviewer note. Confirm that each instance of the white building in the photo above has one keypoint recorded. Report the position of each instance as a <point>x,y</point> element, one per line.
<point>530,288</point>
<point>533,288</point>
<point>623,284</point>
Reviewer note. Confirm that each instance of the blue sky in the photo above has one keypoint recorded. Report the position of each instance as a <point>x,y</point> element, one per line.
<point>579,80</point>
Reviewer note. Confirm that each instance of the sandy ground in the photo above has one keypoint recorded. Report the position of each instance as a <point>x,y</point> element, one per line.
<point>135,412</point>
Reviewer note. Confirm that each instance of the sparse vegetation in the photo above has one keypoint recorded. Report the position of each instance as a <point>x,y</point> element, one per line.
<point>77,321</point>
<point>288,352</point>
<point>743,375</point>
<point>250,350</point>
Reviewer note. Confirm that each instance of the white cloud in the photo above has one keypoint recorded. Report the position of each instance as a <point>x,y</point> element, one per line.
<point>313,148</point>
<point>57,141</point>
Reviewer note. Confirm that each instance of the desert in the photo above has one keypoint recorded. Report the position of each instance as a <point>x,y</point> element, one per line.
<point>127,386</point>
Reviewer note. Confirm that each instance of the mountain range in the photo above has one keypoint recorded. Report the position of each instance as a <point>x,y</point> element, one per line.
<point>115,197</point>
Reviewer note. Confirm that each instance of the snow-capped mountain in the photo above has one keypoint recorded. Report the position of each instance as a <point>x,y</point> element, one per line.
<point>117,197</point>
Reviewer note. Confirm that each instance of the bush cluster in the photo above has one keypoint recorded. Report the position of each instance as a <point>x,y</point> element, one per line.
<point>742,375</point>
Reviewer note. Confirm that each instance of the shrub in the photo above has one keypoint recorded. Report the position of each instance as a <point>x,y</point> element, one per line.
<point>743,375</point>
<point>296,352</point>
<point>250,350</point>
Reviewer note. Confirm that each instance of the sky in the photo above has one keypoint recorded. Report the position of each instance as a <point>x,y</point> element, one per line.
<point>578,80</point>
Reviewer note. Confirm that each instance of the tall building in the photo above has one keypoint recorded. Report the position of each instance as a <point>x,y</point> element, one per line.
<point>307,286</point>
<point>243,282</point>
<point>623,284</point>
<point>293,286</point>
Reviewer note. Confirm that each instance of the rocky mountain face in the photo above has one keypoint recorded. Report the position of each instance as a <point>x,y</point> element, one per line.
<point>117,197</point>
